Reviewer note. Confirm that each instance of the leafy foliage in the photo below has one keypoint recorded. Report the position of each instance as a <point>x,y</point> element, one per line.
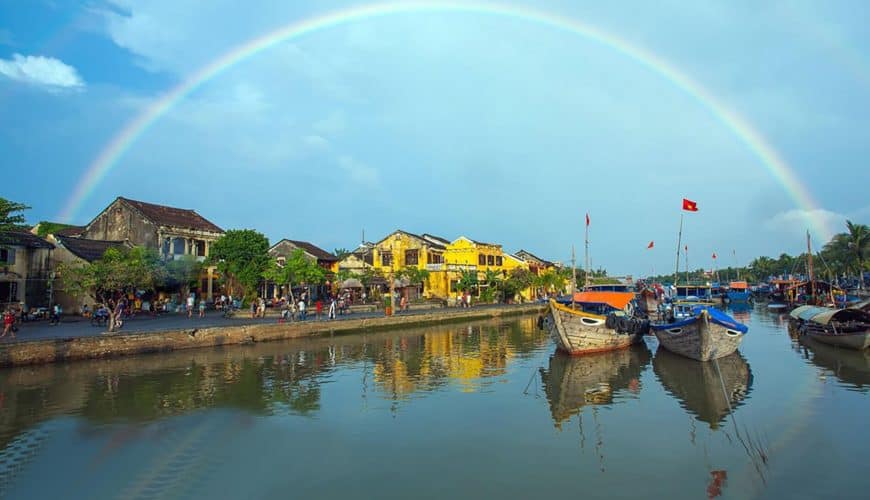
<point>414,275</point>
<point>297,269</point>
<point>518,280</point>
<point>183,272</point>
<point>241,257</point>
<point>341,253</point>
<point>467,281</point>
<point>11,217</point>
<point>117,273</point>
<point>44,228</point>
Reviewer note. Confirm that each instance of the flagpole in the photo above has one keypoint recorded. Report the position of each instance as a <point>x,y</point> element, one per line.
<point>573,276</point>
<point>687,265</point>
<point>679,243</point>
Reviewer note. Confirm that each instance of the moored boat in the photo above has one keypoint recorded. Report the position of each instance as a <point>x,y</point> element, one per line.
<point>848,328</point>
<point>599,324</point>
<point>738,291</point>
<point>707,334</point>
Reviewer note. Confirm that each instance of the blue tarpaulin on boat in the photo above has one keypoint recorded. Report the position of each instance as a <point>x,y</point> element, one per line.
<point>723,319</point>
<point>716,316</point>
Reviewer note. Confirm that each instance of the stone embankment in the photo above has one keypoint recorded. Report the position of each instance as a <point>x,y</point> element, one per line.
<point>123,344</point>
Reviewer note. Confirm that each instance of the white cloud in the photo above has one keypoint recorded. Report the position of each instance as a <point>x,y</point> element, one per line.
<point>358,171</point>
<point>822,224</point>
<point>315,141</point>
<point>42,71</point>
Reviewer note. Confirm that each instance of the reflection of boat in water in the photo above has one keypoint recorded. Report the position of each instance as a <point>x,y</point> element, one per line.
<point>574,382</point>
<point>848,365</point>
<point>697,386</point>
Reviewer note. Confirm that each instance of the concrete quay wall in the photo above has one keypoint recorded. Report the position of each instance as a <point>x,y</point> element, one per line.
<point>124,344</point>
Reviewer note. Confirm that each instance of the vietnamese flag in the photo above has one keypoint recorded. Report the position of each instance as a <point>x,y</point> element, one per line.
<point>714,255</point>
<point>587,219</point>
<point>689,205</point>
<point>651,244</point>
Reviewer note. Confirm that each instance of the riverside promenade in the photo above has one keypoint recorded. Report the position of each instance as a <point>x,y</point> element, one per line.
<point>76,338</point>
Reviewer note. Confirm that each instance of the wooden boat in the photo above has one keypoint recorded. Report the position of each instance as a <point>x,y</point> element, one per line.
<point>580,331</point>
<point>697,386</point>
<point>572,382</point>
<point>708,334</point>
<point>849,328</point>
<point>738,291</point>
<point>647,300</point>
<point>849,366</point>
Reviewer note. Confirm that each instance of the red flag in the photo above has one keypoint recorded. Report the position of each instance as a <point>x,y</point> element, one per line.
<point>689,205</point>
<point>687,248</point>
<point>651,244</point>
<point>587,219</point>
<point>714,255</point>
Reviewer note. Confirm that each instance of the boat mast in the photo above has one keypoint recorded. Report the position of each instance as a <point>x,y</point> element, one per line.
<point>573,276</point>
<point>810,267</point>
<point>679,242</point>
<point>687,264</point>
<point>586,278</point>
<point>736,268</point>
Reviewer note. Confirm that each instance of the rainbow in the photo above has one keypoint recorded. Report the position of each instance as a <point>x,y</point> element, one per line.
<point>121,143</point>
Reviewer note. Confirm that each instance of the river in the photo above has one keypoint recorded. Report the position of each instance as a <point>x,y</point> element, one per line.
<point>480,410</point>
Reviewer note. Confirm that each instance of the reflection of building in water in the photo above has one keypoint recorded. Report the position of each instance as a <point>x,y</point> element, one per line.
<point>848,365</point>
<point>465,355</point>
<point>697,387</point>
<point>594,379</point>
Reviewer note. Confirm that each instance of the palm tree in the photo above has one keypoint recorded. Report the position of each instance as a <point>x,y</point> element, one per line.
<point>859,246</point>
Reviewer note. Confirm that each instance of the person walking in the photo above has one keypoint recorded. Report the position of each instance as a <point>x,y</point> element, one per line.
<point>318,309</point>
<point>332,308</point>
<point>302,310</point>
<point>8,324</point>
<point>55,314</point>
<point>261,307</point>
<point>253,309</point>
<point>191,300</point>
<point>202,307</point>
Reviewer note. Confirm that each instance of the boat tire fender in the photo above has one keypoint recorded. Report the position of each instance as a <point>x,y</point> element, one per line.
<point>610,322</point>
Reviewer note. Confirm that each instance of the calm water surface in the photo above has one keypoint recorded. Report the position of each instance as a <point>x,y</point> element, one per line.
<point>473,411</point>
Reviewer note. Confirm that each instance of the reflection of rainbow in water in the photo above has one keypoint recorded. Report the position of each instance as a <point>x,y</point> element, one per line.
<point>121,142</point>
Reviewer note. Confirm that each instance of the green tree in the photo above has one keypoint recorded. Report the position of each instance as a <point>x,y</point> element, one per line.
<point>183,272</point>
<point>241,257</point>
<point>44,228</point>
<point>11,218</point>
<point>491,280</point>
<point>341,253</point>
<point>118,273</point>
<point>414,275</point>
<point>859,244</point>
<point>297,270</point>
<point>467,281</point>
<point>518,280</point>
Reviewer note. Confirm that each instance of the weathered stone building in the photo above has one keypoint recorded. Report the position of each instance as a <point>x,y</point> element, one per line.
<point>25,271</point>
<point>172,231</point>
<point>285,248</point>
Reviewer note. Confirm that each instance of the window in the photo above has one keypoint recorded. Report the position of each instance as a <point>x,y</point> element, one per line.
<point>434,258</point>
<point>281,261</point>
<point>411,257</point>
<point>386,258</point>
<point>490,260</point>
<point>200,248</point>
<point>498,260</point>
<point>7,255</point>
<point>481,260</point>
<point>369,258</point>
<point>8,291</point>
<point>178,246</point>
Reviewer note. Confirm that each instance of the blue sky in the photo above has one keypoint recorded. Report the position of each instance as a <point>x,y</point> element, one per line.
<point>449,123</point>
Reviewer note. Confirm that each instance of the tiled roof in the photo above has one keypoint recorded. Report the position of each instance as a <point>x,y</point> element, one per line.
<point>522,253</point>
<point>24,238</point>
<point>317,252</point>
<point>436,241</point>
<point>172,217</point>
<point>89,250</point>
<point>70,231</point>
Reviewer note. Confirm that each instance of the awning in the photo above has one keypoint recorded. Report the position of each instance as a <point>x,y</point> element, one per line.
<point>738,285</point>
<point>841,315</point>
<point>351,283</point>
<point>616,300</point>
<point>806,313</point>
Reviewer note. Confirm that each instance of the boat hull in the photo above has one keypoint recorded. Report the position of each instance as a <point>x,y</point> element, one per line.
<point>699,339</point>
<point>744,296</point>
<point>858,340</point>
<point>578,333</point>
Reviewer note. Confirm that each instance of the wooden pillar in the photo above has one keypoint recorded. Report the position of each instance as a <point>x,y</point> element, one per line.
<point>210,286</point>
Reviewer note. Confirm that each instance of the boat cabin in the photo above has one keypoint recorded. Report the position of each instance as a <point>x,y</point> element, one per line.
<point>694,292</point>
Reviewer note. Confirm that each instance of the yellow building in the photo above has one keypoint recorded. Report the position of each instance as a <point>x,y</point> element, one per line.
<point>444,260</point>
